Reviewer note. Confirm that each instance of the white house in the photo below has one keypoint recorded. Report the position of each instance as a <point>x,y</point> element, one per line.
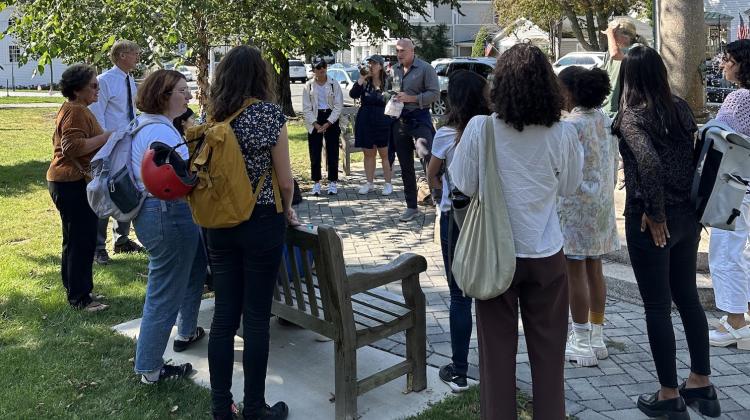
<point>27,76</point>
<point>461,30</point>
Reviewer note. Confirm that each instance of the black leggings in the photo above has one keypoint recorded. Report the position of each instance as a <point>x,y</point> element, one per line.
<point>665,275</point>
<point>245,262</point>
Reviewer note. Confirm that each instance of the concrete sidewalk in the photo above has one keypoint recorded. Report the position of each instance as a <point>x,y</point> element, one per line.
<point>372,234</point>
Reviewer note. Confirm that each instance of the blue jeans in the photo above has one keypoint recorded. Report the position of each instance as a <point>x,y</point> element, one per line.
<point>245,261</point>
<point>461,321</point>
<point>176,271</point>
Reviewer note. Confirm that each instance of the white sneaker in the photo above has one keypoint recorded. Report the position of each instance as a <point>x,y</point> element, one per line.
<point>332,188</point>
<point>316,189</point>
<point>597,341</point>
<point>387,189</point>
<point>578,349</point>
<point>365,188</point>
<point>729,336</point>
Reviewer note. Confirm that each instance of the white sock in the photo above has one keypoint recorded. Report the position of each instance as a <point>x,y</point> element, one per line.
<point>152,376</point>
<point>183,338</point>
<point>581,328</point>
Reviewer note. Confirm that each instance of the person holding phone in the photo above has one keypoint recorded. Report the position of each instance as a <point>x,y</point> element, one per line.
<point>373,126</point>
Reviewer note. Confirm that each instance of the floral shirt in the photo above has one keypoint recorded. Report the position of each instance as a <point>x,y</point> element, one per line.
<point>257,130</point>
<point>587,218</point>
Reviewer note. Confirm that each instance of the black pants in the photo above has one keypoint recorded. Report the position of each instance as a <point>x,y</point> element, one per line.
<point>315,146</point>
<point>665,275</point>
<point>79,227</point>
<point>404,135</point>
<point>245,262</point>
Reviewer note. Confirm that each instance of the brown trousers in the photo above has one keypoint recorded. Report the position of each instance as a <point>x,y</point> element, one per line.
<point>540,285</point>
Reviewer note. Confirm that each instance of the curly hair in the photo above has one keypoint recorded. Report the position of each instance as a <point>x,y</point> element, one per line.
<point>467,97</point>
<point>75,78</point>
<point>525,90</point>
<point>242,74</point>
<point>586,88</point>
<point>740,51</point>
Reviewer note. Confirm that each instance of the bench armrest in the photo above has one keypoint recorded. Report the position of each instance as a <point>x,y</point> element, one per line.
<point>402,268</point>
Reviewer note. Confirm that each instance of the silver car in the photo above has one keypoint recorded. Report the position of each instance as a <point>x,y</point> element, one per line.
<point>347,77</point>
<point>588,60</point>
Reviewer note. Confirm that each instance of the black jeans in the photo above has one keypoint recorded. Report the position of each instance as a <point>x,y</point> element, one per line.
<point>245,262</point>
<point>79,227</point>
<point>315,146</point>
<point>665,275</point>
<point>459,313</point>
<point>404,135</point>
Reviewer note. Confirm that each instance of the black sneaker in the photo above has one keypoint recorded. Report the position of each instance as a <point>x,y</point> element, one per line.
<point>170,372</point>
<point>279,411</point>
<point>458,383</point>
<point>180,345</point>
<point>128,247</point>
<point>101,257</point>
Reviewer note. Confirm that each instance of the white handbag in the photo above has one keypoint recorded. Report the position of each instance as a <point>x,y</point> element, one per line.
<point>485,258</point>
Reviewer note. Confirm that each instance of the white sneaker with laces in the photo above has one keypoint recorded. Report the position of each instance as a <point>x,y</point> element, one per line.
<point>365,188</point>
<point>333,188</point>
<point>316,189</point>
<point>578,349</point>
<point>597,341</point>
<point>387,188</point>
<point>726,336</point>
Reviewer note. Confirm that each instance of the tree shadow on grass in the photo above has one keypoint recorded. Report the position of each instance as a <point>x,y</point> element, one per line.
<point>21,178</point>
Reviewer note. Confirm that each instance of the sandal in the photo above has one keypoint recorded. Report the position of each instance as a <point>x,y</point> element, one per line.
<point>94,306</point>
<point>180,345</point>
<point>725,335</point>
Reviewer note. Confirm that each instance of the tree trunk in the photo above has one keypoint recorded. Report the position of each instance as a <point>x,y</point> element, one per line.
<point>591,28</point>
<point>202,58</point>
<point>281,83</point>
<point>577,31</point>
<point>683,50</point>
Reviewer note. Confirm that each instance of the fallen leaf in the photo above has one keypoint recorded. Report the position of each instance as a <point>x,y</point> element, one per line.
<point>174,409</point>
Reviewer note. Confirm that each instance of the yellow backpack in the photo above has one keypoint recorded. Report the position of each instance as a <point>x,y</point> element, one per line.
<point>224,196</point>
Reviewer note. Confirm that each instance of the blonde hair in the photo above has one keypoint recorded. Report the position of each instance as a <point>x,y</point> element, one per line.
<point>625,26</point>
<point>120,47</point>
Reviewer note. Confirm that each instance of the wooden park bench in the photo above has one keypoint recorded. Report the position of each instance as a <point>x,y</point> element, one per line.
<point>344,307</point>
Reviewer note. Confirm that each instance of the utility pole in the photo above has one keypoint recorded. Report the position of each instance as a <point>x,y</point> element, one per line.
<point>682,43</point>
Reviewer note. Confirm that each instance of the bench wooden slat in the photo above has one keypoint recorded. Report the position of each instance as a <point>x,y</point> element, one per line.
<point>284,280</point>
<point>384,376</point>
<point>310,285</point>
<point>370,335</point>
<point>296,277</point>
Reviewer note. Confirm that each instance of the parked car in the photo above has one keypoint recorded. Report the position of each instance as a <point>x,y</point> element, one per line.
<point>347,77</point>
<point>297,71</point>
<point>445,66</point>
<point>588,60</point>
<point>189,76</point>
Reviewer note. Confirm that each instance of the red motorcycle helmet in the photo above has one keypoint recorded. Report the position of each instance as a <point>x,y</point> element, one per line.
<point>165,174</point>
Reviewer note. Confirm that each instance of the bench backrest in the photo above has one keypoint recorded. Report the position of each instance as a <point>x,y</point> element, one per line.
<point>325,295</point>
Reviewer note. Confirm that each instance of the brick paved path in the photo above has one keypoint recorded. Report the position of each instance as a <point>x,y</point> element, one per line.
<point>372,234</point>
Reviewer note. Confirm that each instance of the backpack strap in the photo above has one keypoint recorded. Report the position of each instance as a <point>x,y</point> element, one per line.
<point>705,147</point>
<point>276,191</point>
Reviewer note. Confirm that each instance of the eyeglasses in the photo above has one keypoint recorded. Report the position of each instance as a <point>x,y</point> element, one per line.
<point>183,91</point>
<point>726,58</point>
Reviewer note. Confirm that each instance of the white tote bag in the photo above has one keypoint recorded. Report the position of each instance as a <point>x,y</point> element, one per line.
<point>485,258</point>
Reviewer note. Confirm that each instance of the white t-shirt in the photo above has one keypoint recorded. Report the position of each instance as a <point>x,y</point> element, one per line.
<point>164,132</point>
<point>443,146</point>
<point>535,166</point>
<point>322,94</point>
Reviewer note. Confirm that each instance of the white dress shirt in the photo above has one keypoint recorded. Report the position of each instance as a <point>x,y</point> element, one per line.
<point>111,110</point>
<point>163,131</point>
<point>535,166</point>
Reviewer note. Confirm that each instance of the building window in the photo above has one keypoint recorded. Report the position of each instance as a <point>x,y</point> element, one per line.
<point>14,53</point>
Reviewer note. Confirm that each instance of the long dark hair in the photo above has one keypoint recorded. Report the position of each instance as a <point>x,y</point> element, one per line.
<point>739,51</point>
<point>645,85</point>
<point>242,74</point>
<point>467,98</point>
<point>525,90</point>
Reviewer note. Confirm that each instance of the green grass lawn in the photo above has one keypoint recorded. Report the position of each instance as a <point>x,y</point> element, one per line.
<point>30,99</point>
<point>61,363</point>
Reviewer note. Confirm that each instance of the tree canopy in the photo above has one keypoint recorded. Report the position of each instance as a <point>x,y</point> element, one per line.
<point>84,30</point>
